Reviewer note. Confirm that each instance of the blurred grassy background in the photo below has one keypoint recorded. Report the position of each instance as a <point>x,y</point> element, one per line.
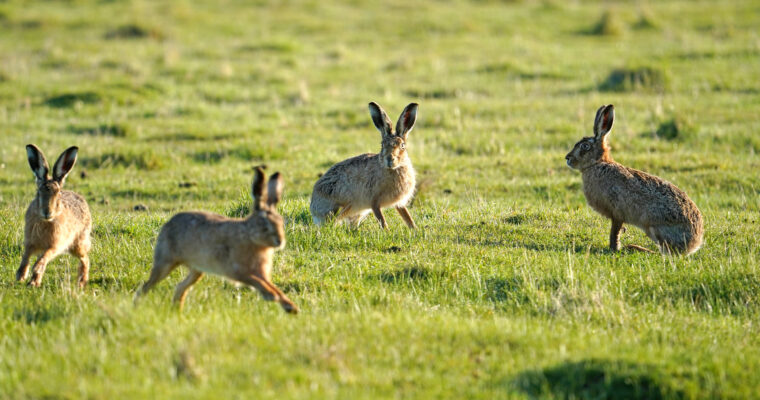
<point>506,290</point>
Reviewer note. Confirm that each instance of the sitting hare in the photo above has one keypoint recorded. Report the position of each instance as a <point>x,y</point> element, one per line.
<point>625,195</point>
<point>238,249</point>
<point>370,182</point>
<point>57,220</point>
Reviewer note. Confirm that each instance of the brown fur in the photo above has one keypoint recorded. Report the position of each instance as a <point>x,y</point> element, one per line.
<point>370,182</point>
<point>238,249</point>
<point>626,195</point>
<point>57,220</point>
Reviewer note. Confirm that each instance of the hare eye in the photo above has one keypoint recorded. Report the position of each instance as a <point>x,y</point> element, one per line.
<point>585,146</point>
<point>402,146</point>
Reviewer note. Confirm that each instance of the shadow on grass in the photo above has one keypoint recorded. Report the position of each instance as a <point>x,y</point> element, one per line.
<point>578,248</point>
<point>71,99</point>
<point>39,314</point>
<point>108,283</point>
<point>733,293</point>
<point>512,290</point>
<point>410,274</point>
<point>596,379</point>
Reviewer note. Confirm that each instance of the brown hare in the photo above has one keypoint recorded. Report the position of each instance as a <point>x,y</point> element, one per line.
<point>370,182</point>
<point>238,249</point>
<point>625,195</point>
<point>57,220</point>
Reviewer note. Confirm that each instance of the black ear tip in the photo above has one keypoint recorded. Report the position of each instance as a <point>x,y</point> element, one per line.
<point>259,172</point>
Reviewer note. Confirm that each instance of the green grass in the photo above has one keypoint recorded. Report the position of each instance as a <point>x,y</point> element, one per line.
<point>507,290</point>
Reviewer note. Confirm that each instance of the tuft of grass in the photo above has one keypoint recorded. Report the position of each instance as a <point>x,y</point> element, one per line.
<point>507,289</point>
<point>645,78</point>
<point>646,21</point>
<point>675,128</point>
<point>609,24</point>
<point>144,160</point>
<point>115,130</point>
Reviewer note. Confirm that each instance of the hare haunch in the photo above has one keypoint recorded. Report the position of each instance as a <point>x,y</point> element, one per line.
<point>238,249</point>
<point>625,195</point>
<point>370,182</point>
<point>57,220</point>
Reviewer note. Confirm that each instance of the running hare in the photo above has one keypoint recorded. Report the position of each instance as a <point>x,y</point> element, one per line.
<point>237,249</point>
<point>625,195</point>
<point>370,182</point>
<point>57,220</point>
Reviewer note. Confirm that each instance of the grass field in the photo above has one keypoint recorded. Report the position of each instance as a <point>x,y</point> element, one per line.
<point>507,289</point>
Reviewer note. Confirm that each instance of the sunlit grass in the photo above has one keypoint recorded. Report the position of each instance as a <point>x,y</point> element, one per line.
<point>506,290</point>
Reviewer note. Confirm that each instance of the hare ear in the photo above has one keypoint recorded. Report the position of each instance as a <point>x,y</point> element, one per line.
<point>603,122</point>
<point>257,189</point>
<point>65,163</point>
<point>274,190</point>
<point>37,162</point>
<point>406,120</point>
<point>380,118</point>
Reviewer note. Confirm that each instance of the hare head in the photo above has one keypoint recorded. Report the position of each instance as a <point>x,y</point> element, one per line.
<point>393,153</point>
<point>590,150</point>
<point>48,200</point>
<point>265,199</point>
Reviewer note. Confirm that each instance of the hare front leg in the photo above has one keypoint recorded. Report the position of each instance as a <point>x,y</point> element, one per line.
<point>615,235</point>
<point>268,292</point>
<point>23,269</point>
<point>285,302</point>
<point>406,217</point>
<point>379,215</point>
<point>80,250</point>
<point>183,287</point>
<point>39,267</point>
<point>84,270</point>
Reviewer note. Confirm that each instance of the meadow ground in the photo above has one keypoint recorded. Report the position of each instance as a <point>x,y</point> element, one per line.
<point>507,289</point>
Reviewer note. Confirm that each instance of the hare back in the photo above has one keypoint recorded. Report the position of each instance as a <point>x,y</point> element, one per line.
<point>362,181</point>
<point>209,243</point>
<point>71,226</point>
<point>638,198</point>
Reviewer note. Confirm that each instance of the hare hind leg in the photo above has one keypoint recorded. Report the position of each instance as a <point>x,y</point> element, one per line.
<point>672,238</point>
<point>183,287</point>
<point>356,219</point>
<point>158,273</point>
<point>321,209</point>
